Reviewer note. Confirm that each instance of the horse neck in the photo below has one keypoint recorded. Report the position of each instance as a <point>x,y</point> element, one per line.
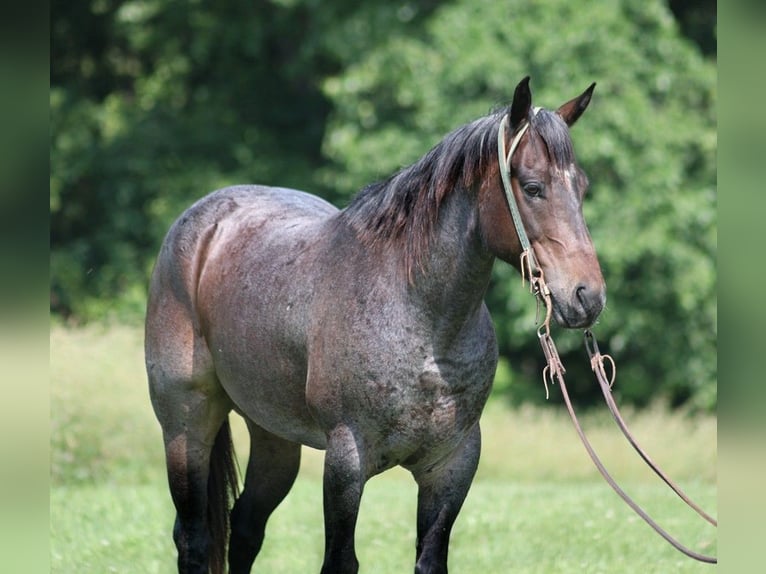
<point>452,279</point>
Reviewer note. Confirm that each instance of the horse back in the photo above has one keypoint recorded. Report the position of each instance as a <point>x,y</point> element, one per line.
<point>235,224</point>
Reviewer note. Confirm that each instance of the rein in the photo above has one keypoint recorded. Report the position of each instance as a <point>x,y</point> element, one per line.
<point>554,369</point>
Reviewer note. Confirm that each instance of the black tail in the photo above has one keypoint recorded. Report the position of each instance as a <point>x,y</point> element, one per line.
<point>222,490</point>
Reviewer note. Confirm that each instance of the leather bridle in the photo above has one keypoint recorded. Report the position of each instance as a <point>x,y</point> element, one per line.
<point>554,369</point>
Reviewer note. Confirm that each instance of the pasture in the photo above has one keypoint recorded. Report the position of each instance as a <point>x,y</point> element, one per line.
<point>537,504</point>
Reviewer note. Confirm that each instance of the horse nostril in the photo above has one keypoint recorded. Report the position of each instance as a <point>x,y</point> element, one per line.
<point>581,294</point>
<point>591,300</point>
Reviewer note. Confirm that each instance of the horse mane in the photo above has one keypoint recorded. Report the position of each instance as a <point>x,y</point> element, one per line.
<point>403,210</point>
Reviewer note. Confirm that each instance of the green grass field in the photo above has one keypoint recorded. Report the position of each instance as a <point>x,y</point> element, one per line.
<point>537,504</point>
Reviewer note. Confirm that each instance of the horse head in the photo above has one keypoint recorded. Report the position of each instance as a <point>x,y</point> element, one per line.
<point>548,188</point>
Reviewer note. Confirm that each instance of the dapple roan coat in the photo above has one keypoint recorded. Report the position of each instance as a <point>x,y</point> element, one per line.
<point>362,332</point>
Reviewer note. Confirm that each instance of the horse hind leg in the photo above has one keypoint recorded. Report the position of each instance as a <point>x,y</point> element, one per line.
<point>192,409</point>
<point>441,492</point>
<point>202,476</point>
<point>271,471</point>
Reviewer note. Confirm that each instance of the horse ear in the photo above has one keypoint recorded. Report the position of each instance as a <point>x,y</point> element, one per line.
<point>522,102</point>
<point>573,109</point>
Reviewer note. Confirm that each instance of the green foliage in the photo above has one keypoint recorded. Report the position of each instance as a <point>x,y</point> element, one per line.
<point>162,103</point>
<point>155,103</point>
<point>648,143</point>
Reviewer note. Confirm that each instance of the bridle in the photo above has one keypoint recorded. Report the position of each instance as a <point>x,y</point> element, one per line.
<point>529,267</point>
<point>554,369</point>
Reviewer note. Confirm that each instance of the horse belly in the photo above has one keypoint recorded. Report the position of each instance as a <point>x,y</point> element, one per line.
<point>259,353</point>
<point>270,391</point>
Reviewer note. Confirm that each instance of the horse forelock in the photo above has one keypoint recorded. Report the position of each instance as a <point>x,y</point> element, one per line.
<point>554,132</point>
<point>403,209</point>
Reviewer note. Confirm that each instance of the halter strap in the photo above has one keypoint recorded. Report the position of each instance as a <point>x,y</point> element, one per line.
<point>528,258</point>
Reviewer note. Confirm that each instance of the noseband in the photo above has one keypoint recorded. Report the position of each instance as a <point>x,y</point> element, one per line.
<point>554,368</point>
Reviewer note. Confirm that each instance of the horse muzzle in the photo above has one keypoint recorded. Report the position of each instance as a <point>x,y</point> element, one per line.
<point>581,307</point>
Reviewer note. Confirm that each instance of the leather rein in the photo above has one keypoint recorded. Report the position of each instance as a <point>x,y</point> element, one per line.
<point>554,369</point>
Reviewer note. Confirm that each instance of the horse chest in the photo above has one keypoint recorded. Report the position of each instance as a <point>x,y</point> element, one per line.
<point>448,396</point>
<point>428,409</point>
<point>418,419</point>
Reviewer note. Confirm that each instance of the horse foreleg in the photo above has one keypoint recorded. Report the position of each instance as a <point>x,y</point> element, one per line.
<point>343,485</point>
<point>441,492</point>
<point>271,471</point>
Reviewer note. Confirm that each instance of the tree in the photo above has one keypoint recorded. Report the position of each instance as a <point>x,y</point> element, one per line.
<point>697,19</point>
<point>156,102</point>
<point>648,143</point>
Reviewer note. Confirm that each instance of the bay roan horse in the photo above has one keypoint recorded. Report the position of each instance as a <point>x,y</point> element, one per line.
<point>362,332</point>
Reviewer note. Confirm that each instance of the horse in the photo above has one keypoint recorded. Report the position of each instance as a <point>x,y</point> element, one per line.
<point>360,331</point>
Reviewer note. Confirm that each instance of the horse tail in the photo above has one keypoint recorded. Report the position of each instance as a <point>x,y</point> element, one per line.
<point>222,490</point>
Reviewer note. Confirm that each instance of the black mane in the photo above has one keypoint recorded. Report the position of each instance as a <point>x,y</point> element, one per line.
<point>405,206</point>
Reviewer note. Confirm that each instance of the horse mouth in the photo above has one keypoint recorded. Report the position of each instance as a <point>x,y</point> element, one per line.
<point>571,321</point>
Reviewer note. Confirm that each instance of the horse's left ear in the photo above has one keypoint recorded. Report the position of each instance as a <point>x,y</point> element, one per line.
<point>522,102</point>
<point>573,109</point>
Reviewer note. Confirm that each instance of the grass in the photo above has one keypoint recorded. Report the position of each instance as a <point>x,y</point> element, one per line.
<point>536,506</point>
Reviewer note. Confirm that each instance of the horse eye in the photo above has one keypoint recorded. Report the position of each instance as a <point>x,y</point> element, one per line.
<point>533,189</point>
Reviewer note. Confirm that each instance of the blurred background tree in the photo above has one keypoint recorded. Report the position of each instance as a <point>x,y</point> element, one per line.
<point>156,103</point>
